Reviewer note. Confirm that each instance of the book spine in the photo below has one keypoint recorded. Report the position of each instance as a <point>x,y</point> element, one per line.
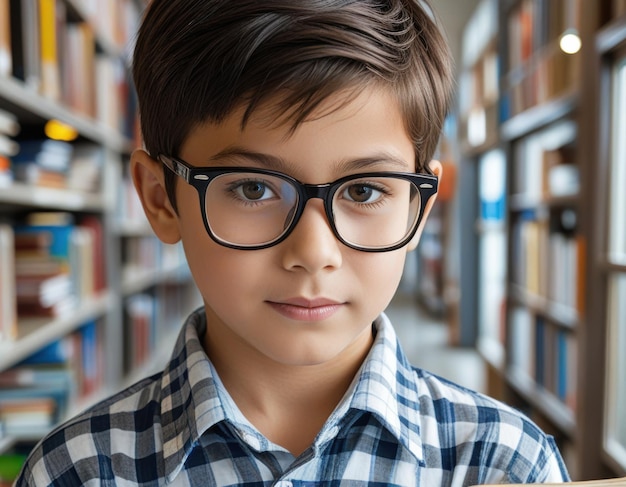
<point>8,300</point>
<point>50,75</point>
<point>6,59</point>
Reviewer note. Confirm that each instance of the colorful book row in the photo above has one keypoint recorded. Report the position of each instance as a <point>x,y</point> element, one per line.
<point>44,45</point>
<point>545,353</point>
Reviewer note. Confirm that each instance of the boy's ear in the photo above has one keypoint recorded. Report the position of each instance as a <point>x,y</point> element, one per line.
<point>436,168</point>
<point>149,182</point>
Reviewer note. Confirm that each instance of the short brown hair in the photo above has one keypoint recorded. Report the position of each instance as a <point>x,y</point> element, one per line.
<point>196,61</point>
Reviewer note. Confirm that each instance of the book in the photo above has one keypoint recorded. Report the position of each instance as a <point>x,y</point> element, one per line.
<point>6,63</point>
<point>45,291</point>
<point>8,147</point>
<point>43,163</point>
<point>85,168</point>
<point>94,225</point>
<point>43,268</point>
<point>57,352</point>
<point>6,174</point>
<point>50,75</point>
<point>78,68</point>
<point>44,403</point>
<point>55,155</point>
<point>140,329</point>
<point>617,482</point>
<point>82,260</point>
<point>9,124</point>
<point>25,42</point>
<point>8,306</point>
<point>29,416</point>
<point>88,365</point>
<point>108,105</point>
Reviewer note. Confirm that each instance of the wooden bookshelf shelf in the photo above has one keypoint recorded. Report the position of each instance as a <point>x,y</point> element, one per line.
<point>31,107</point>
<point>614,267</point>
<point>20,194</point>
<point>483,226</point>
<point>130,228</point>
<point>6,443</point>
<point>493,352</point>
<point>136,279</point>
<point>36,333</point>
<point>538,117</point>
<point>615,455</point>
<point>522,202</point>
<point>560,314</point>
<point>611,35</point>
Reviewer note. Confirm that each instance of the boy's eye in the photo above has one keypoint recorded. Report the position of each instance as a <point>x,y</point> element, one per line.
<point>254,191</point>
<point>362,193</point>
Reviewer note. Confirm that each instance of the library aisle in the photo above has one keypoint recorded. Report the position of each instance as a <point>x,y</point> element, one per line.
<point>426,341</point>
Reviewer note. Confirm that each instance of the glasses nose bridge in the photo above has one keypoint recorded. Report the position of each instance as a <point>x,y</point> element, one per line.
<point>311,191</point>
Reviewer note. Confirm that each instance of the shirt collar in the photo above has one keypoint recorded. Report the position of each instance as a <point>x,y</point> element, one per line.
<point>190,401</point>
<point>385,387</point>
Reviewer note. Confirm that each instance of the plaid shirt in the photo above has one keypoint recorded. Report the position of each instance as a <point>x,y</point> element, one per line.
<point>396,426</point>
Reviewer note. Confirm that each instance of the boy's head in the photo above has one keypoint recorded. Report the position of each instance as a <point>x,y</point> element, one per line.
<point>198,60</point>
<point>298,126</point>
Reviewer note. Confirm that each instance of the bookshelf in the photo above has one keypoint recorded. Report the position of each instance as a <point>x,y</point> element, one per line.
<point>90,300</point>
<point>484,172</point>
<point>559,135</point>
<point>610,247</point>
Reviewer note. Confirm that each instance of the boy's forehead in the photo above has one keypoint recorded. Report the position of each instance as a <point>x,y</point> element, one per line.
<point>345,126</point>
<point>274,112</point>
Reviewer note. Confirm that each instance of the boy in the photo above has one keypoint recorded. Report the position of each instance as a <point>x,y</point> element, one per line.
<point>288,147</point>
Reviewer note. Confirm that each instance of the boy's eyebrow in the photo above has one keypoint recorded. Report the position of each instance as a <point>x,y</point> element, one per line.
<point>235,152</point>
<point>279,164</point>
<point>371,162</point>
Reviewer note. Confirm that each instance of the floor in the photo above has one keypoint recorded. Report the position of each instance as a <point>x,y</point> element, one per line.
<point>425,341</point>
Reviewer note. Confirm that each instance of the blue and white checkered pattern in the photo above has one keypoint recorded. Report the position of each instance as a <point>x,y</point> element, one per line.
<point>397,426</point>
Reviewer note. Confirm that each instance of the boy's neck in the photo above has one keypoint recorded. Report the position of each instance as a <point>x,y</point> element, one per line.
<point>288,404</point>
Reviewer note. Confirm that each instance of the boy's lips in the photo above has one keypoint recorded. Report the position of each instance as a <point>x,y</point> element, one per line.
<point>303,309</point>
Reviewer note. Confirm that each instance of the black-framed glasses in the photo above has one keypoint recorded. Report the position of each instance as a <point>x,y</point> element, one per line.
<point>251,209</point>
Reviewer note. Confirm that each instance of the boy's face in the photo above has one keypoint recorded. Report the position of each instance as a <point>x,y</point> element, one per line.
<point>309,299</point>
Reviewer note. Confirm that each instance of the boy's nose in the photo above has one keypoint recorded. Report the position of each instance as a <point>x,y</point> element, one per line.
<point>312,245</point>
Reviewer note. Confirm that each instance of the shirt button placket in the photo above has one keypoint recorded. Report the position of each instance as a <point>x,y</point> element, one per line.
<point>283,483</point>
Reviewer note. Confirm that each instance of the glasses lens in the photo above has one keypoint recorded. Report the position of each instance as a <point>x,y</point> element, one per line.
<point>376,212</point>
<point>249,209</point>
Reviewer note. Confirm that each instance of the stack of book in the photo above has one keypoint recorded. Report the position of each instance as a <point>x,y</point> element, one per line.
<point>43,162</point>
<point>35,395</point>
<point>58,263</point>
<point>42,265</point>
<point>38,392</point>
